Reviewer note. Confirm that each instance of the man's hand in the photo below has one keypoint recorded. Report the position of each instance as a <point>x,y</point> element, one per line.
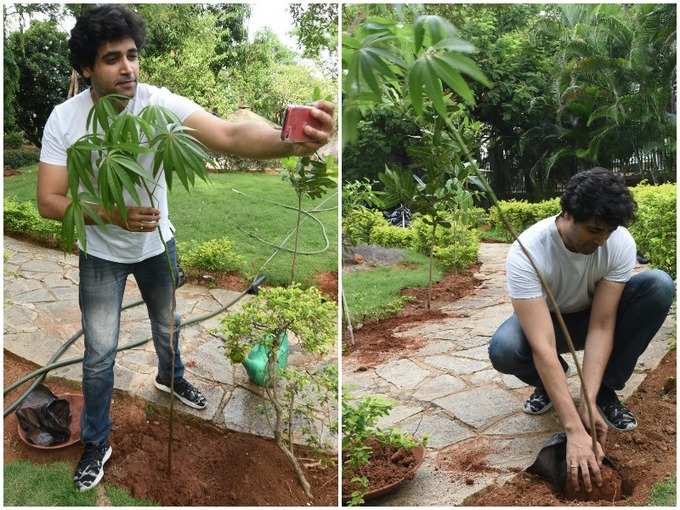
<point>139,219</point>
<point>323,112</point>
<point>601,427</point>
<point>580,458</point>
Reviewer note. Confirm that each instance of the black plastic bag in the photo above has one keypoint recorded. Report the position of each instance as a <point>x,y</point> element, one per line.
<point>44,418</point>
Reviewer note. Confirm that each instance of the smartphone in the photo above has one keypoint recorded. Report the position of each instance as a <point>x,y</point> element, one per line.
<point>295,119</point>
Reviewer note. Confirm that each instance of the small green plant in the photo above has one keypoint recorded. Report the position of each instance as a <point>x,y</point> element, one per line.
<point>262,323</point>
<point>23,218</point>
<point>358,193</point>
<point>359,427</point>
<point>358,223</point>
<point>216,255</point>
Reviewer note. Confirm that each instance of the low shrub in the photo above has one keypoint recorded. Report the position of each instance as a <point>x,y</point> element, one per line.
<point>13,140</point>
<point>23,218</point>
<point>392,236</point>
<point>654,229</point>
<point>16,158</point>
<point>522,214</point>
<point>474,217</point>
<point>216,255</point>
<point>358,223</point>
<point>455,247</point>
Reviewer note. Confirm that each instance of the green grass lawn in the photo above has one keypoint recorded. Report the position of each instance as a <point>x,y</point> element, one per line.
<point>28,484</point>
<point>664,492</point>
<point>212,211</point>
<point>374,294</point>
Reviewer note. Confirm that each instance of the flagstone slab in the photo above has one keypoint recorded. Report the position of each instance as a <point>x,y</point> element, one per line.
<point>480,406</point>
<point>402,373</point>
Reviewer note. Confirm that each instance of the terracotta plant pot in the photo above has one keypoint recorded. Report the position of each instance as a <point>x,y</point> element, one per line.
<point>76,403</point>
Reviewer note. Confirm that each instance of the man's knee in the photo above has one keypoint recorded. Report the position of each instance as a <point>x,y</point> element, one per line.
<point>658,287</point>
<point>505,347</point>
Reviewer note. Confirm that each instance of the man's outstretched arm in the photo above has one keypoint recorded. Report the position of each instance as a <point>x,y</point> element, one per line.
<point>257,140</point>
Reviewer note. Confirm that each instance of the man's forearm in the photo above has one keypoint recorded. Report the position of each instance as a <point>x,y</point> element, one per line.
<point>555,383</point>
<point>598,349</point>
<point>257,140</point>
<point>55,207</point>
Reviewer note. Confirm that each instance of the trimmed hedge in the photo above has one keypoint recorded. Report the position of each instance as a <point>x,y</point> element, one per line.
<point>16,158</point>
<point>358,224</point>
<point>456,247</point>
<point>654,228</point>
<point>392,236</point>
<point>23,218</point>
<point>215,255</point>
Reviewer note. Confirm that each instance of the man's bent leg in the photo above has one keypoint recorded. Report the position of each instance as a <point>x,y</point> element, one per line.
<point>101,288</point>
<point>510,353</point>
<point>644,305</point>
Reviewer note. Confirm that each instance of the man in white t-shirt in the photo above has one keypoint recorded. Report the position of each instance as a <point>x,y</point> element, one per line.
<point>104,48</point>
<point>587,257</point>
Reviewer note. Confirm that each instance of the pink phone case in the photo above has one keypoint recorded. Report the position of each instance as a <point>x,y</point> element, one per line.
<point>297,116</point>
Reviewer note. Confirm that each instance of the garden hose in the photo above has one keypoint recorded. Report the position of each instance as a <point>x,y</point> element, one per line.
<point>41,373</point>
<point>52,364</point>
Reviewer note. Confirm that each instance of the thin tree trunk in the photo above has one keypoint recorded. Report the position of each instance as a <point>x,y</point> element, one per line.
<point>429,287</point>
<point>297,235</point>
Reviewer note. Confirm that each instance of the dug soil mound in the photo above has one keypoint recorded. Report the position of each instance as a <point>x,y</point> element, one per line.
<point>642,457</point>
<point>611,489</point>
<point>211,467</point>
<point>328,284</point>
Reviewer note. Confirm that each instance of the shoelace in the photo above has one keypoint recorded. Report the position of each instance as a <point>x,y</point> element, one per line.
<point>619,412</point>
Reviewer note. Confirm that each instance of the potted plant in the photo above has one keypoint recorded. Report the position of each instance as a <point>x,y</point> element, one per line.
<point>375,461</point>
<point>263,323</point>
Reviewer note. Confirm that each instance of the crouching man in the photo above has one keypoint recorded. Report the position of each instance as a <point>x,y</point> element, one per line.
<point>587,257</point>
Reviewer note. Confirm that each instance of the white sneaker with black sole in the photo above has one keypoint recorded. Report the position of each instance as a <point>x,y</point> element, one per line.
<point>185,392</point>
<point>90,470</point>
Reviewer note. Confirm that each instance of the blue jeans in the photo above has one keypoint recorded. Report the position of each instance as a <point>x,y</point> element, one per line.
<point>644,306</point>
<point>102,284</point>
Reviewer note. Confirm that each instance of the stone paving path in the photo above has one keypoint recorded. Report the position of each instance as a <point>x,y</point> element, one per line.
<point>41,312</point>
<point>448,390</point>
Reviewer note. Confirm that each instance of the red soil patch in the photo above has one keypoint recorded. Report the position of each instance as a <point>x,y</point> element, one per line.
<point>374,341</point>
<point>466,457</point>
<point>211,467</point>
<point>386,466</point>
<point>450,288</point>
<point>643,457</point>
<point>328,284</point>
<point>229,281</point>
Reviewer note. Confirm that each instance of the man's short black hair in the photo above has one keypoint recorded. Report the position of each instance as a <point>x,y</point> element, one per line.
<point>100,25</point>
<point>600,194</point>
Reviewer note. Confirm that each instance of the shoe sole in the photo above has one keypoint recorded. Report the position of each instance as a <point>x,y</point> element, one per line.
<point>179,397</point>
<point>536,413</point>
<point>610,424</point>
<point>107,456</point>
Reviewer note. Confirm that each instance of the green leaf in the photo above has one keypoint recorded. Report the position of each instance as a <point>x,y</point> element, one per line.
<point>126,182</point>
<point>453,79</point>
<point>433,86</point>
<point>67,226</point>
<point>465,65</point>
<point>415,84</point>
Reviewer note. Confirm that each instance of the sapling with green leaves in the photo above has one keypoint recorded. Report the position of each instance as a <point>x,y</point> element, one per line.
<point>262,322</point>
<point>103,166</point>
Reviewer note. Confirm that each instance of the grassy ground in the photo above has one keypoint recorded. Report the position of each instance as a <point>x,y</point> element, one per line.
<point>28,484</point>
<point>212,211</point>
<point>374,294</point>
<point>664,493</point>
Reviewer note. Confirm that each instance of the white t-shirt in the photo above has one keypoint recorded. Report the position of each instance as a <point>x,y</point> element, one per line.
<point>67,123</point>
<point>571,276</point>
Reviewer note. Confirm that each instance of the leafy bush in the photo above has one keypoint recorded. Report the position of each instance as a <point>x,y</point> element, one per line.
<point>391,236</point>
<point>475,217</point>
<point>522,214</point>
<point>214,255</point>
<point>359,426</point>
<point>24,218</point>
<point>654,228</point>
<point>16,158</point>
<point>455,247</point>
<point>358,224</point>
<point>13,140</point>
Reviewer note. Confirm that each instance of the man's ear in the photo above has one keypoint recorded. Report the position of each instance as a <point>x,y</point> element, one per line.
<point>86,72</point>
